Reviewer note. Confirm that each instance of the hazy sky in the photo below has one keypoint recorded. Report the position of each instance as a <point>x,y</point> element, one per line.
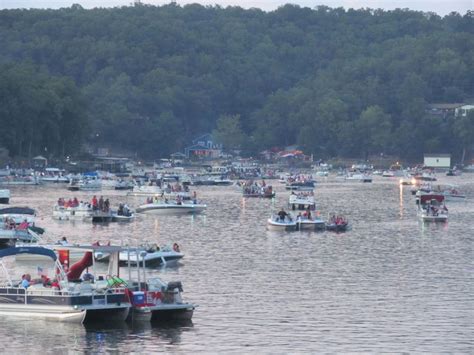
<point>441,7</point>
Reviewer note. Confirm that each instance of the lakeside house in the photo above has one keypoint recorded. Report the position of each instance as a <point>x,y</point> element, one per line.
<point>203,147</point>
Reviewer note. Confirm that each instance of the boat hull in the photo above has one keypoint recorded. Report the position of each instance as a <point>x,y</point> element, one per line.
<point>168,312</point>
<point>62,314</point>
<point>311,225</point>
<point>163,209</point>
<point>277,226</point>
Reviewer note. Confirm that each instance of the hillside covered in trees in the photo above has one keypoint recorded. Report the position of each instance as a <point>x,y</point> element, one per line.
<point>148,79</point>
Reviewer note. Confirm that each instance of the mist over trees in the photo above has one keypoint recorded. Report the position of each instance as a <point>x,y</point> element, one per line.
<point>149,79</point>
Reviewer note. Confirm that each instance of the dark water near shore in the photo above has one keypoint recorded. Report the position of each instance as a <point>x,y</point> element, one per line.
<point>391,284</point>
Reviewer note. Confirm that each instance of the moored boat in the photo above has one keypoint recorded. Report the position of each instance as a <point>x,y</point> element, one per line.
<point>276,223</point>
<point>63,298</point>
<point>171,207</point>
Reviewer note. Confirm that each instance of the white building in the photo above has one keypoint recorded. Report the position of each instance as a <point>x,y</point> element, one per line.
<point>442,161</point>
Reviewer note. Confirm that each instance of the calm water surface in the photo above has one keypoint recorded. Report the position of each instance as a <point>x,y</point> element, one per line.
<point>390,284</point>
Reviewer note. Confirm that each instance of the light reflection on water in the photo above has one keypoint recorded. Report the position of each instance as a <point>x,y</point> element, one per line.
<point>391,284</point>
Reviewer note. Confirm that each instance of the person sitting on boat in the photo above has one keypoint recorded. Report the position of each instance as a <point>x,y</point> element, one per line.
<point>61,202</point>
<point>308,213</point>
<point>55,284</point>
<point>179,200</point>
<point>75,202</point>
<point>11,223</point>
<point>176,247</point>
<point>126,210</point>
<point>63,241</point>
<point>23,225</point>
<point>120,210</point>
<point>25,282</point>
<point>88,277</point>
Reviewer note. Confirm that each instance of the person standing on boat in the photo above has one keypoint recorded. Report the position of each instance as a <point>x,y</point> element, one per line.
<point>101,203</point>
<point>106,205</point>
<point>94,203</point>
<point>282,214</point>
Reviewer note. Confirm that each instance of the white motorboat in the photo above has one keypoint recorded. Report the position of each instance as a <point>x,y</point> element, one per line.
<point>61,298</point>
<point>360,177</point>
<point>4,196</point>
<point>171,207</point>
<point>123,218</point>
<point>278,224</point>
<point>147,256</point>
<point>431,213</point>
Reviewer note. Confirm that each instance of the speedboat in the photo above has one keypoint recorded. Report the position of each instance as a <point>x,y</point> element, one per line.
<point>122,217</point>
<point>171,207</point>
<point>147,256</point>
<point>157,300</point>
<point>429,214</point>
<point>360,177</point>
<point>85,185</point>
<point>4,196</point>
<point>278,224</point>
<point>66,296</point>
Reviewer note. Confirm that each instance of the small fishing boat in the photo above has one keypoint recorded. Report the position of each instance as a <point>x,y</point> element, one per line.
<point>4,196</point>
<point>276,223</point>
<point>337,223</point>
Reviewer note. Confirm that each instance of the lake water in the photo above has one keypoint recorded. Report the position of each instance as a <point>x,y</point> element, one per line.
<point>391,284</point>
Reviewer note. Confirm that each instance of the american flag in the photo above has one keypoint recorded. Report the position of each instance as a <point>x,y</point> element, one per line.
<point>41,271</point>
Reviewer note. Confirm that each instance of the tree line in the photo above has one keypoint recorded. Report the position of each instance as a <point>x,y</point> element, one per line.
<point>148,79</point>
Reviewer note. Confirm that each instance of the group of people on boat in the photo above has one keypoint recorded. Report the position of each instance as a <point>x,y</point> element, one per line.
<point>101,204</point>
<point>254,188</point>
<point>9,223</point>
<point>26,281</point>
<point>69,203</point>
<point>337,220</point>
<point>432,210</point>
<point>124,210</point>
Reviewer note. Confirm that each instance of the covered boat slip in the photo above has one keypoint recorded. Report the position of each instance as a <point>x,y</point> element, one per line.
<point>62,298</point>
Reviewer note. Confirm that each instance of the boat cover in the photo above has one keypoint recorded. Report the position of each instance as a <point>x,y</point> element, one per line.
<point>28,250</point>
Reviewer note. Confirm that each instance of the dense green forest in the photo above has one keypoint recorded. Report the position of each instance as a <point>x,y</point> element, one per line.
<point>148,79</point>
